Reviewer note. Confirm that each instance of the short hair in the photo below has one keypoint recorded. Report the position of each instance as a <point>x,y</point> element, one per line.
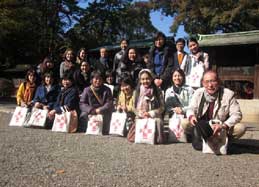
<point>212,71</point>
<point>95,74</point>
<point>180,40</point>
<point>158,35</point>
<point>103,48</point>
<point>179,70</point>
<point>192,40</point>
<point>84,61</point>
<point>109,73</point>
<point>68,76</point>
<point>127,80</point>
<point>124,39</point>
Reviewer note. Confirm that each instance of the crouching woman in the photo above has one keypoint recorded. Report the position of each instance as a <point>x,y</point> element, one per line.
<point>68,98</point>
<point>96,99</point>
<point>149,103</point>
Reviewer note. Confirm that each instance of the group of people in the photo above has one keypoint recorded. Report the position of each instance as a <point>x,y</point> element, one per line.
<point>161,83</point>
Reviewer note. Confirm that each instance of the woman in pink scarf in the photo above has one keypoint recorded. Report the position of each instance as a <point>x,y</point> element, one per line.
<point>149,102</point>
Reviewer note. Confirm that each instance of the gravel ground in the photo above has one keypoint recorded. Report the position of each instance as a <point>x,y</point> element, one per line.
<point>39,157</point>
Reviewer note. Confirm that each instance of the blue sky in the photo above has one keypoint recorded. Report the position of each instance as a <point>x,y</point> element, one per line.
<point>163,24</point>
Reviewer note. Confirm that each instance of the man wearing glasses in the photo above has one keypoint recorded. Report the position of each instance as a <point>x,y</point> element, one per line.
<point>214,102</point>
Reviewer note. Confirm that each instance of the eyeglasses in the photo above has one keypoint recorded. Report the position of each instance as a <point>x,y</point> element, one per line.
<point>210,81</point>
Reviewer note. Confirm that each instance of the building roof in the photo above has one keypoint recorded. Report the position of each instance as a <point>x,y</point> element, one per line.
<point>236,38</point>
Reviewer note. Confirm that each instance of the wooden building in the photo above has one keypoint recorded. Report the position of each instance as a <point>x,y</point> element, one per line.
<point>235,56</point>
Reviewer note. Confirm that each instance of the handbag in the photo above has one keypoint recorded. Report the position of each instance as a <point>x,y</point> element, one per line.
<point>145,131</point>
<point>38,117</point>
<point>131,133</point>
<point>67,121</point>
<point>117,124</point>
<point>19,116</point>
<point>176,131</point>
<point>216,144</point>
<point>95,124</point>
<point>194,79</point>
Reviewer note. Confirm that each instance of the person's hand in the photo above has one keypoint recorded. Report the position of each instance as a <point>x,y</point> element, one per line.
<point>124,108</point>
<point>23,104</point>
<point>119,108</point>
<point>178,110</point>
<point>97,111</point>
<point>51,114</point>
<point>158,82</point>
<point>46,107</point>
<point>146,115</point>
<point>216,129</point>
<point>38,105</point>
<point>193,120</point>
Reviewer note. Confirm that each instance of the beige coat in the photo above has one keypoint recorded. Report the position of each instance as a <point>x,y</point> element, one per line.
<point>229,112</point>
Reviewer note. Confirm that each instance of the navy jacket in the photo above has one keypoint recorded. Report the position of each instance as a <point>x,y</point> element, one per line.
<point>46,98</point>
<point>68,98</point>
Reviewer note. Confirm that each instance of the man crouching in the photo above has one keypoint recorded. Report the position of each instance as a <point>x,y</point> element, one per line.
<point>214,102</point>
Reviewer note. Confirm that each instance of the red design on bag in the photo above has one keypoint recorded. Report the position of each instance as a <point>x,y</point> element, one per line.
<point>116,124</point>
<point>18,116</point>
<point>94,124</point>
<point>145,132</point>
<point>178,130</point>
<point>38,117</point>
<point>61,122</point>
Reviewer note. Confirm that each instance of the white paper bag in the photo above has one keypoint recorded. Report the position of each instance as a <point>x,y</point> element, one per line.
<point>19,116</point>
<point>216,145</point>
<point>194,79</point>
<point>145,131</point>
<point>176,131</point>
<point>61,122</point>
<point>95,124</point>
<point>118,122</point>
<point>38,117</point>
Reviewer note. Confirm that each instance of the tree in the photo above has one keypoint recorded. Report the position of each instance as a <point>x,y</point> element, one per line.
<point>30,30</point>
<point>107,21</point>
<point>210,16</point>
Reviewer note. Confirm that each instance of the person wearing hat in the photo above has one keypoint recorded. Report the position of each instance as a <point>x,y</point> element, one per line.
<point>214,102</point>
<point>161,61</point>
<point>149,102</point>
<point>68,97</point>
<point>96,99</point>
<point>46,94</point>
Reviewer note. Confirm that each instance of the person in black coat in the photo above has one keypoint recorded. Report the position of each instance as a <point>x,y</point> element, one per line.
<point>130,65</point>
<point>161,61</point>
<point>82,76</point>
<point>104,63</point>
<point>68,97</point>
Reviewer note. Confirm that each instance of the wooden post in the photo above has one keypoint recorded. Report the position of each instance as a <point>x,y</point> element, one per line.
<point>256,81</point>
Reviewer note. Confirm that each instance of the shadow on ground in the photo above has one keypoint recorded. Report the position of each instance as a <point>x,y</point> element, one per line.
<point>243,146</point>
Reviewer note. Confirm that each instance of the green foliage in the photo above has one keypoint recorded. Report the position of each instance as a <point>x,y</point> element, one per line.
<point>107,21</point>
<point>30,30</point>
<point>210,16</point>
